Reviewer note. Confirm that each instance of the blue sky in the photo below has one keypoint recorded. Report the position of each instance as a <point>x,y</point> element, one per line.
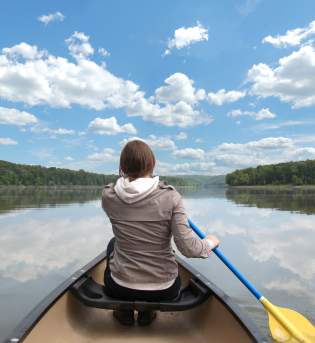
<point>211,86</point>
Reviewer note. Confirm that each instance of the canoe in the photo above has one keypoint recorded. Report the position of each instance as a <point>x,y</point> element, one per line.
<point>73,313</point>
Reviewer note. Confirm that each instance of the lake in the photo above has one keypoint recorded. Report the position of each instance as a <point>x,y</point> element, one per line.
<point>47,234</point>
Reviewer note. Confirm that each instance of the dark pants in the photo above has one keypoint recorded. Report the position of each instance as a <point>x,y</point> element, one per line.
<point>114,290</point>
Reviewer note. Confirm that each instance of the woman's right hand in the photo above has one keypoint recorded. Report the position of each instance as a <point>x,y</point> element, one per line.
<point>212,241</point>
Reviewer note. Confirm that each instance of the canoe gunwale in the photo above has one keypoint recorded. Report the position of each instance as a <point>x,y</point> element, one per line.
<point>31,319</point>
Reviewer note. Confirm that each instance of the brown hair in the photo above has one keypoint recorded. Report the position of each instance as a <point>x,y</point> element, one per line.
<point>136,160</point>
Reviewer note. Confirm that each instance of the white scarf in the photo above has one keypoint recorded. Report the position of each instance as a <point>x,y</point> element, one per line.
<point>132,191</point>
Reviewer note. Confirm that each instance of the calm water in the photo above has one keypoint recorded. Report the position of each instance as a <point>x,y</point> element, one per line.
<point>46,235</point>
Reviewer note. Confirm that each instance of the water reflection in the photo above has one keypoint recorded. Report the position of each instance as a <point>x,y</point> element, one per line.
<point>295,199</point>
<point>42,245</point>
<point>12,198</point>
<point>275,249</point>
<point>197,193</point>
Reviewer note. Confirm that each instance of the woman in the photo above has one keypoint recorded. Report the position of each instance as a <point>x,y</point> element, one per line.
<point>145,214</point>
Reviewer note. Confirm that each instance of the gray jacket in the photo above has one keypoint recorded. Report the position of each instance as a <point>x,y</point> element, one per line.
<point>143,252</point>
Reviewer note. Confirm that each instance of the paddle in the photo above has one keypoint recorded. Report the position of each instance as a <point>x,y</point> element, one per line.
<point>285,324</point>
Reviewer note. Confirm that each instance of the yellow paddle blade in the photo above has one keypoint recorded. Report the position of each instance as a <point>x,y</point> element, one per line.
<point>288,326</point>
<point>281,334</point>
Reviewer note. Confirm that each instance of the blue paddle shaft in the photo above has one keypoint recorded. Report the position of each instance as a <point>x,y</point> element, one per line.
<point>224,259</point>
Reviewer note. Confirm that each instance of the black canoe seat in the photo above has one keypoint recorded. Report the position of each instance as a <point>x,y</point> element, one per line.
<point>92,294</point>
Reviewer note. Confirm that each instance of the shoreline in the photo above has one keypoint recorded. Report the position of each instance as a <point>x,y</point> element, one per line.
<point>274,187</point>
<point>50,187</point>
<point>226,186</point>
<point>76,187</point>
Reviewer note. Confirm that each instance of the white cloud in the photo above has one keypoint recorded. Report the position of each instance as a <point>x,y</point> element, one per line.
<point>222,96</point>
<point>110,126</point>
<point>237,113</point>
<point>264,113</point>
<point>285,123</point>
<point>179,88</point>
<point>264,143</point>
<point>304,139</point>
<point>247,6</point>
<point>107,155</point>
<point>181,136</point>
<point>240,160</point>
<point>57,82</point>
<point>69,158</point>
<point>164,168</point>
<point>43,153</point>
<point>13,116</point>
<point>292,37</point>
<point>184,37</point>
<point>179,98</point>
<point>155,142</point>
<point>180,114</point>
<point>7,141</point>
<point>160,143</point>
<point>305,151</point>
<point>62,131</point>
<point>24,50</point>
<point>264,151</point>
<point>103,52</point>
<point>39,129</point>
<point>190,153</point>
<point>79,45</point>
<point>227,157</point>
<point>48,18</point>
<point>292,81</point>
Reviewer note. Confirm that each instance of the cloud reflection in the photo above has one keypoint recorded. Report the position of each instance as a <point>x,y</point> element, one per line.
<point>282,238</point>
<point>292,246</point>
<point>292,287</point>
<point>37,247</point>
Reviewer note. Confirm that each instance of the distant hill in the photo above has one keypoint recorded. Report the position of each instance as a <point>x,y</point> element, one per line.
<point>290,173</point>
<point>30,175</point>
<point>205,180</point>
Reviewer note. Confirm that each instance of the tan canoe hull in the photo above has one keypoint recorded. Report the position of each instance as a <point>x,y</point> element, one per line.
<point>66,320</point>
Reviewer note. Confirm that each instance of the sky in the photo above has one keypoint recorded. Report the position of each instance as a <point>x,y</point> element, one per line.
<point>211,86</point>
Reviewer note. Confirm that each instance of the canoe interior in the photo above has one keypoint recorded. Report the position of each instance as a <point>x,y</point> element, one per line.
<point>69,321</point>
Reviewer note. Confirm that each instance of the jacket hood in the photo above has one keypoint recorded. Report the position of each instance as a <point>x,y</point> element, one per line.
<point>133,191</point>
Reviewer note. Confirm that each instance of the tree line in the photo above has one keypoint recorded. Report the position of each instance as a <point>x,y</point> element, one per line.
<point>290,173</point>
<point>31,175</point>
